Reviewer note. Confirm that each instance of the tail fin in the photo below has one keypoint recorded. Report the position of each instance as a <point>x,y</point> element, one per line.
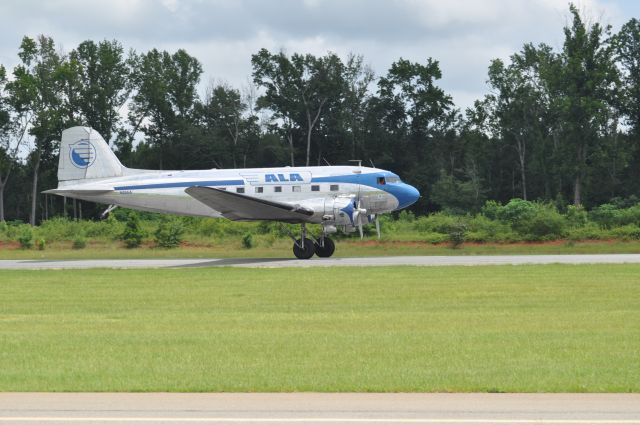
<point>85,155</point>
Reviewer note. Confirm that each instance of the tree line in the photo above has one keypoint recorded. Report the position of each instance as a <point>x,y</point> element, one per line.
<point>557,125</point>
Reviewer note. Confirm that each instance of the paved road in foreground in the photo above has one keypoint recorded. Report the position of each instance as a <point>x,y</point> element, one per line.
<point>461,260</point>
<point>316,408</point>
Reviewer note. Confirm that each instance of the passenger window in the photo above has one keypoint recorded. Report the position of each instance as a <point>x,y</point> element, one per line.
<point>334,188</point>
<point>259,189</point>
<point>315,188</point>
<point>277,189</point>
<point>296,189</point>
<point>381,180</point>
<point>240,189</point>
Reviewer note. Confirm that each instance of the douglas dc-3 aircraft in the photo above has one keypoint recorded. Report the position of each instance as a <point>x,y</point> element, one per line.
<point>337,197</point>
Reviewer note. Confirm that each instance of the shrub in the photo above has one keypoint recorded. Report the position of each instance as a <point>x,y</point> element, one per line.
<point>576,216</point>
<point>482,229</point>
<point>132,234</point>
<point>590,231</point>
<point>434,238</point>
<point>79,242</point>
<point>456,235</point>
<point>630,231</point>
<point>169,233</point>
<point>41,244</point>
<point>491,209</point>
<point>438,223</point>
<point>247,241</point>
<point>605,215</point>
<point>407,216</point>
<point>546,224</point>
<point>26,238</point>
<point>516,212</point>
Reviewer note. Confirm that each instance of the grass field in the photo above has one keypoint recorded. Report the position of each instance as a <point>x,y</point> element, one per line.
<point>353,247</point>
<point>554,328</point>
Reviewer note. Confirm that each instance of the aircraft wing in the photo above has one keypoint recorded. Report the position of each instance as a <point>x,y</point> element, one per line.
<point>239,207</point>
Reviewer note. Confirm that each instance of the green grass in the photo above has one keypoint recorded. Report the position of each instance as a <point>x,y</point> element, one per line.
<point>554,328</point>
<point>232,248</point>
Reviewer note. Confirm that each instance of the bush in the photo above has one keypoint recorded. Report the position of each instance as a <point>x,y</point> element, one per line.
<point>132,234</point>
<point>491,210</point>
<point>169,233</point>
<point>576,216</point>
<point>605,215</point>
<point>516,212</point>
<point>247,241</point>
<point>546,224</point>
<point>41,244</point>
<point>482,229</point>
<point>407,216</point>
<point>434,238</point>
<point>590,231</point>
<point>438,223</point>
<point>630,231</point>
<point>26,238</point>
<point>456,235</point>
<point>79,242</point>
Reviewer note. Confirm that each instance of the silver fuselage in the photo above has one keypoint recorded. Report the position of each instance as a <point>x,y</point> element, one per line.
<point>378,191</point>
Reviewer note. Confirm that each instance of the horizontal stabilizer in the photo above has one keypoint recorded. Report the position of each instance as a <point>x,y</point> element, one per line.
<point>236,206</point>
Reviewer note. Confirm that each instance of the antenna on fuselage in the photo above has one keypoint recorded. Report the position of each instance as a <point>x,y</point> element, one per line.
<point>325,161</point>
<point>372,164</point>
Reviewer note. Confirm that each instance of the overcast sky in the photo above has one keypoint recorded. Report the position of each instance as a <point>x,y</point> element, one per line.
<point>463,35</point>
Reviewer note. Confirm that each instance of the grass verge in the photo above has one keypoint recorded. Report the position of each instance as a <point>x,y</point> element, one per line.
<point>555,328</point>
<point>232,248</point>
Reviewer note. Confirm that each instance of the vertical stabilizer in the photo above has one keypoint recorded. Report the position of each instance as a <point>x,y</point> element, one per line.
<point>85,155</point>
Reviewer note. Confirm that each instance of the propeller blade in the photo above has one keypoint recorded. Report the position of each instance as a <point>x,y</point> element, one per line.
<point>360,229</point>
<point>377,226</point>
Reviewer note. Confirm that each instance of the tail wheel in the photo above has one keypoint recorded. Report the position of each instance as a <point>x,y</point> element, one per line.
<point>325,247</point>
<point>306,252</point>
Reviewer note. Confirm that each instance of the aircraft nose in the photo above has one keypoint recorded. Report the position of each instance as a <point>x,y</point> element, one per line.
<point>408,196</point>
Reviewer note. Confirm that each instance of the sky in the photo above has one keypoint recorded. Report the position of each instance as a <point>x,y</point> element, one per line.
<point>463,35</point>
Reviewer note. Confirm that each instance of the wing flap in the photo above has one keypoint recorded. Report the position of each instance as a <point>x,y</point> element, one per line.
<point>236,206</point>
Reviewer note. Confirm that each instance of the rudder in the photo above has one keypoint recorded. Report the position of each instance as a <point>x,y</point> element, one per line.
<point>84,154</point>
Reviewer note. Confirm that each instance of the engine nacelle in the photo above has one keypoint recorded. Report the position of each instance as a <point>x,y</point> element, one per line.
<point>338,212</point>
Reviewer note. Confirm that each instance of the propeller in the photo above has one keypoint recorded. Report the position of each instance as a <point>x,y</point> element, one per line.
<point>358,214</point>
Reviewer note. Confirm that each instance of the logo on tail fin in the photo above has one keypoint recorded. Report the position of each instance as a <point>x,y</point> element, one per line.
<point>82,153</point>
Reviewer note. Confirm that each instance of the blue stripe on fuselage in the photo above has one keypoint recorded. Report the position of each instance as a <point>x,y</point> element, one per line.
<point>183,184</point>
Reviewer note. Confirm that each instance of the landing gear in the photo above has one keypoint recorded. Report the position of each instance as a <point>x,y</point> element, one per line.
<point>324,247</point>
<point>303,248</point>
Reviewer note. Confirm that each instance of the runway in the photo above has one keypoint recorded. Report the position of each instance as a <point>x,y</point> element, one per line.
<point>452,260</point>
<point>318,408</point>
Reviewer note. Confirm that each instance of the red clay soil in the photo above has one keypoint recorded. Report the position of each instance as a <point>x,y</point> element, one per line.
<point>9,245</point>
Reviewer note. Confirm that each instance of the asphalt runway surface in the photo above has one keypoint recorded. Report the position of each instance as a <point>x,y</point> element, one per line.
<point>461,260</point>
<point>318,408</point>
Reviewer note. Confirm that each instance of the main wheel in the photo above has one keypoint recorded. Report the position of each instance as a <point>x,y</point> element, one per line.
<point>306,252</point>
<point>324,247</point>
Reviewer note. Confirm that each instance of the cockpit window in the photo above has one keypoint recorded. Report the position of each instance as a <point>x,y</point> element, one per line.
<point>393,179</point>
<point>381,180</point>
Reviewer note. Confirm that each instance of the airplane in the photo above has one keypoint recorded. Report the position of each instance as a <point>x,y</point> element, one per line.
<point>336,197</point>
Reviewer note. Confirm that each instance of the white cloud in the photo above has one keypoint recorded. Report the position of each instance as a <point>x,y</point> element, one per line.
<point>464,35</point>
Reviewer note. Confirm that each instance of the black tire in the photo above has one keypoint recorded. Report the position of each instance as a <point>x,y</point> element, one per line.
<point>306,252</point>
<point>325,250</point>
